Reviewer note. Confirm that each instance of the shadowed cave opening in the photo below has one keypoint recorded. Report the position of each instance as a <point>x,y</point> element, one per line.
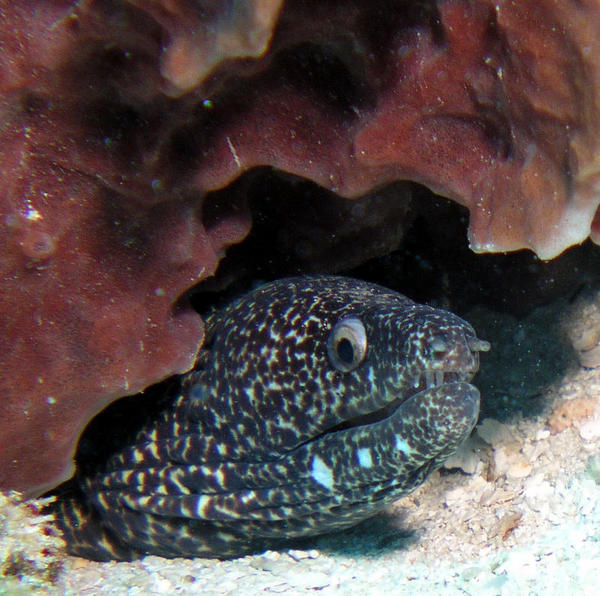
<point>298,227</point>
<point>405,237</point>
<point>431,263</point>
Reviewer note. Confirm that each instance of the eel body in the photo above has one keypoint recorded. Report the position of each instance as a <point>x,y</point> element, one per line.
<point>314,404</point>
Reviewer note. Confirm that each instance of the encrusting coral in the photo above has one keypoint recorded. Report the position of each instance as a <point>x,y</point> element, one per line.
<point>120,119</point>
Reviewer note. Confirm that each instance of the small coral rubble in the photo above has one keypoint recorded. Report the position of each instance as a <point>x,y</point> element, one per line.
<point>30,546</point>
<point>571,412</point>
<point>119,116</point>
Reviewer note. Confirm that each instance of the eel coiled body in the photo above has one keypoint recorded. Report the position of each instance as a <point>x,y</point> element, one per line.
<point>315,402</point>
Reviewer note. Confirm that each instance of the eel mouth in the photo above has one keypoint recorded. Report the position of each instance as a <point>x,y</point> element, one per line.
<point>423,382</point>
<point>453,362</point>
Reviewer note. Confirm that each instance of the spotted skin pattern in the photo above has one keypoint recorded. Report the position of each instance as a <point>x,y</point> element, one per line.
<point>267,438</point>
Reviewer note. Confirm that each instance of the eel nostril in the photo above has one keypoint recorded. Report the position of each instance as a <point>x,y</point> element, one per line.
<point>478,345</point>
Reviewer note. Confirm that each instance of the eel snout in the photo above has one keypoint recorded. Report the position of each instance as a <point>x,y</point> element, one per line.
<point>457,352</point>
<point>441,349</point>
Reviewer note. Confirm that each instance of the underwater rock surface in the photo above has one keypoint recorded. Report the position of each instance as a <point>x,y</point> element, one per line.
<point>119,117</point>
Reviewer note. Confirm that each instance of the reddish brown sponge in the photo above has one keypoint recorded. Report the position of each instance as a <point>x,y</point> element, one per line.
<point>468,98</point>
<point>119,117</point>
<point>96,250</point>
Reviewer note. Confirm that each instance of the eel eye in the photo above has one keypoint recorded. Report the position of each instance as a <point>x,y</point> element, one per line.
<point>347,344</point>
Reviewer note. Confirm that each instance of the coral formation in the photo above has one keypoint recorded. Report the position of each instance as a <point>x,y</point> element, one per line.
<point>118,117</point>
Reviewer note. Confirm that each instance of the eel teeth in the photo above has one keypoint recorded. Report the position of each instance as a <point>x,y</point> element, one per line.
<point>430,378</point>
<point>433,378</point>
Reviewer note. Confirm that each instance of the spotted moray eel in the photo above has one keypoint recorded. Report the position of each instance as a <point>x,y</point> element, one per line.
<point>315,402</point>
